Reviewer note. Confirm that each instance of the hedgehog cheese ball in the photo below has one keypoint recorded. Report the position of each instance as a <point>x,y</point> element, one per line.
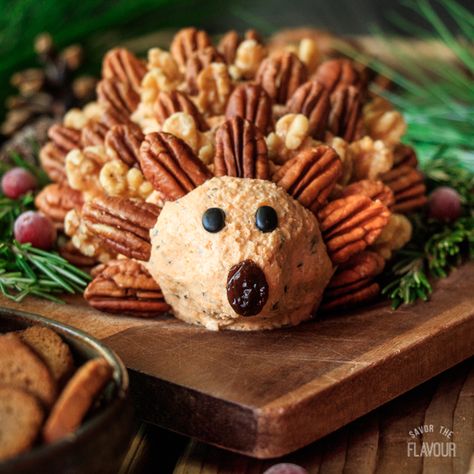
<point>241,254</point>
<point>236,186</point>
<point>231,252</point>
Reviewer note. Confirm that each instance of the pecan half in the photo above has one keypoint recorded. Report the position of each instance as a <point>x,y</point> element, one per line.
<point>197,62</point>
<point>375,190</point>
<point>280,75</point>
<point>353,282</point>
<point>311,99</point>
<point>230,42</point>
<point>74,256</point>
<point>117,95</point>
<point>170,165</point>
<point>122,224</point>
<point>122,65</point>
<point>252,103</point>
<point>240,150</point>
<point>310,176</point>
<point>93,134</point>
<point>113,116</point>
<point>186,41</point>
<point>52,160</point>
<point>65,138</point>
<point>123,142</point>
<point>404,155</point>
<point>408,186</point>
<point>336,74</point>
<point>125,286</point>
<point>56,200</point>
<point>345,114</point>
<point>168,103</point>
<point>350,224</point>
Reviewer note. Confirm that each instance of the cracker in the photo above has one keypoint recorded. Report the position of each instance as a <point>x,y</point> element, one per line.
<point>21,416</point>
<point>52,349</point>
<point>22,368</point>
<point>76,399</point>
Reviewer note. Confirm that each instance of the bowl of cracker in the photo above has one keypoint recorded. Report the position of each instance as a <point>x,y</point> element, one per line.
<point>64,404</point>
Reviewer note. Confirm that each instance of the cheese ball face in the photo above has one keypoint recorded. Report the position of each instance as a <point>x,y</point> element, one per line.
<point>239,254</point>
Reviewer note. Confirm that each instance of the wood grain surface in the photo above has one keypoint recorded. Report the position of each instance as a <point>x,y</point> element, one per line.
<point>269,393</point>
<point>376,443</point>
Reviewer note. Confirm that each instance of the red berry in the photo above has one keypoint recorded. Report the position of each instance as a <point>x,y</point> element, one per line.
<point>444,204</point>
<point>17,182</point>
<point>36,229</point>
<point>286,468</point>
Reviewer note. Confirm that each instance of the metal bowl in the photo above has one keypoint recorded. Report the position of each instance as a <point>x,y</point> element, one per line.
<point>100,442</point>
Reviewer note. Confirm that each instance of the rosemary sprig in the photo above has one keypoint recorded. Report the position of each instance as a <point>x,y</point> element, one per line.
<point>435,249</point>
<point>25,270</point>
<point>410,280</point>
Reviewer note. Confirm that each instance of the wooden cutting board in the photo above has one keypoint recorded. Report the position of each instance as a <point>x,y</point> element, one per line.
<point>268,393</point>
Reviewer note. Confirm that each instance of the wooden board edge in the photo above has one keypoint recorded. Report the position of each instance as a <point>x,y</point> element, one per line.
<point>174,407</point>
<point>280,429</point>
<point>276,430</point>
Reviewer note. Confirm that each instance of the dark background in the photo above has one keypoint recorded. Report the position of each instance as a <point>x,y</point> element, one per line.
<point>345,17</point>
<point>99,25</point>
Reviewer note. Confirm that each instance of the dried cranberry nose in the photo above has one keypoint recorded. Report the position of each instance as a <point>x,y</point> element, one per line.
<point>247,288</point>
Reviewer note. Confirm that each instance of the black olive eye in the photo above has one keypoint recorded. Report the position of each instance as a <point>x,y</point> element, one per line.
<point>213,220</point>
<point>266,219</point>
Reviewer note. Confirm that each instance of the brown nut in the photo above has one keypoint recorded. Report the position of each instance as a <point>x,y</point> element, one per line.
<point>83,240</point>
<point>248,58</point>
<point>170,165</point>
<point>112,116</point>
<point>375,190</point>
<point>408,186</point>
<point>74,256</point>
<point>83,168</point>
<point>370,159</point>
<point>394,236</point>
<point>358,297</point>
<point>404,155</point>
<point>353,283</point>
<point>345,114</point>
<point>280,75</point>
<point>230,42</point>
<point>125,286</point>
<point>52,160</point>
<point>168,103</point>
<point>197,62</point>
<point>215,86</point>
<point>310,176</point>
<point>93,134</point>
<point>312,100</point>
<point>117,95</point>
<point>252,103</point>
<point>336,74</point>
<point>240,150</point>
<point>383,122</point>
<point>122,224</point>
<point>185,42</point>
<point>350,224</point>
<point>123,142</point>
<point>56,200</point>
<point>65,138</point>
<point>119,64</point>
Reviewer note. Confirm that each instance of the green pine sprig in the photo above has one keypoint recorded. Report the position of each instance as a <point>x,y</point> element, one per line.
<point>409,279</point>
<point>435,249</point>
